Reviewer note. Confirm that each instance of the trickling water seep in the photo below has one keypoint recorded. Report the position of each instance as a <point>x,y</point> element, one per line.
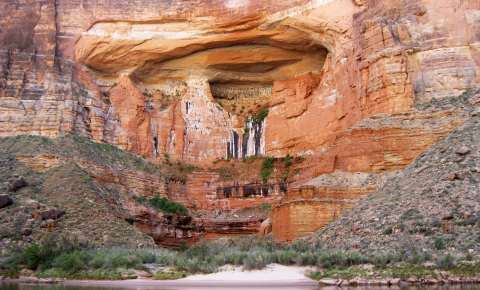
<point>249,143</point>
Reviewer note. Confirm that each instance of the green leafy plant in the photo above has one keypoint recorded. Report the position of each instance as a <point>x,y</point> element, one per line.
<point>288,161</point>
<point>265,174</point>
<point>268,163</point>
<point>166,206</point>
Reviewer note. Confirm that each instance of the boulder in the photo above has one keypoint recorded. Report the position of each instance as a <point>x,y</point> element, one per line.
<point>265,227</point>
<point>464,173</point>
<point>26,273</point>
<point>328,281</point>
<point>17,184</point>
<point>26,232</point>
<point>452,176</point>
<point>51,213</point>
<point>394,281</point>
<point>447,217</point>
<point>5,201</point>
<point>463,151</point>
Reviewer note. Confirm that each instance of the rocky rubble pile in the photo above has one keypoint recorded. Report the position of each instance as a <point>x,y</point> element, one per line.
<point>430,208</point>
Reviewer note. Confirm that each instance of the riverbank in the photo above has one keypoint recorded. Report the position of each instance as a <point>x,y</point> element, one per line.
<point>274,275</point>
<point>292,277</point>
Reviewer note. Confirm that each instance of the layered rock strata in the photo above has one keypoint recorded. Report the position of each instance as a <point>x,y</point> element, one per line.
<point>356,59</point>
<point>340,79</point>
<point>306,209</point>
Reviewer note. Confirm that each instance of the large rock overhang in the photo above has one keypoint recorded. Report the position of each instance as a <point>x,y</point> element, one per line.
<point>232,55</point>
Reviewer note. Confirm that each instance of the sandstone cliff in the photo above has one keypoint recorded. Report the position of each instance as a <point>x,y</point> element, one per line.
<point>186,82</point>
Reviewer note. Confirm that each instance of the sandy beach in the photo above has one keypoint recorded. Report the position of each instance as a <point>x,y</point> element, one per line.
<point>274,276</point>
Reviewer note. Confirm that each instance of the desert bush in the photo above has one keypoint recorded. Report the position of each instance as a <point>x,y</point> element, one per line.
<point>439,244</point>
<point>445,262</point>
<point>166,206</point>
<point>265,174</point>
<point>268,163</point>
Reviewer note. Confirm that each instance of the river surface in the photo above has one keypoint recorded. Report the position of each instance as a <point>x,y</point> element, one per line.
<point>31,286</point>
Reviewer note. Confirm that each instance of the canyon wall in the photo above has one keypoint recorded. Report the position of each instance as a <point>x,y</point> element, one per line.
<point>141,80</point>
<point>190,82</point>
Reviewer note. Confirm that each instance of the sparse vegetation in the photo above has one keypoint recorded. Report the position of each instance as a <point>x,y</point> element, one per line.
<point>166,206</point>
<point>265,174</point>
<point>287,161</point>
<point>268,163</point>
<point>71,259</point>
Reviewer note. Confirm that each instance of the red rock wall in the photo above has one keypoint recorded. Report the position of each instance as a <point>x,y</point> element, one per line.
<point>307,209</point>
<point>382,57</point>
<point>300,218</point>
<point>345,77</point>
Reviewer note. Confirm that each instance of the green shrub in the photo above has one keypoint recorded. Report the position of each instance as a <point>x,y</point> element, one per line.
<point>255,261</point>
<point>73,262</point>
<point>246,129</point>
<point>268,163</point>
<point>265,174</point>
<point>387,231</point>
<point>446,262</point>
<point>288,161</point>
<point>262,114</point>
<point>107,101</point>
<point>439,244</point>
<point>166,206</point>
